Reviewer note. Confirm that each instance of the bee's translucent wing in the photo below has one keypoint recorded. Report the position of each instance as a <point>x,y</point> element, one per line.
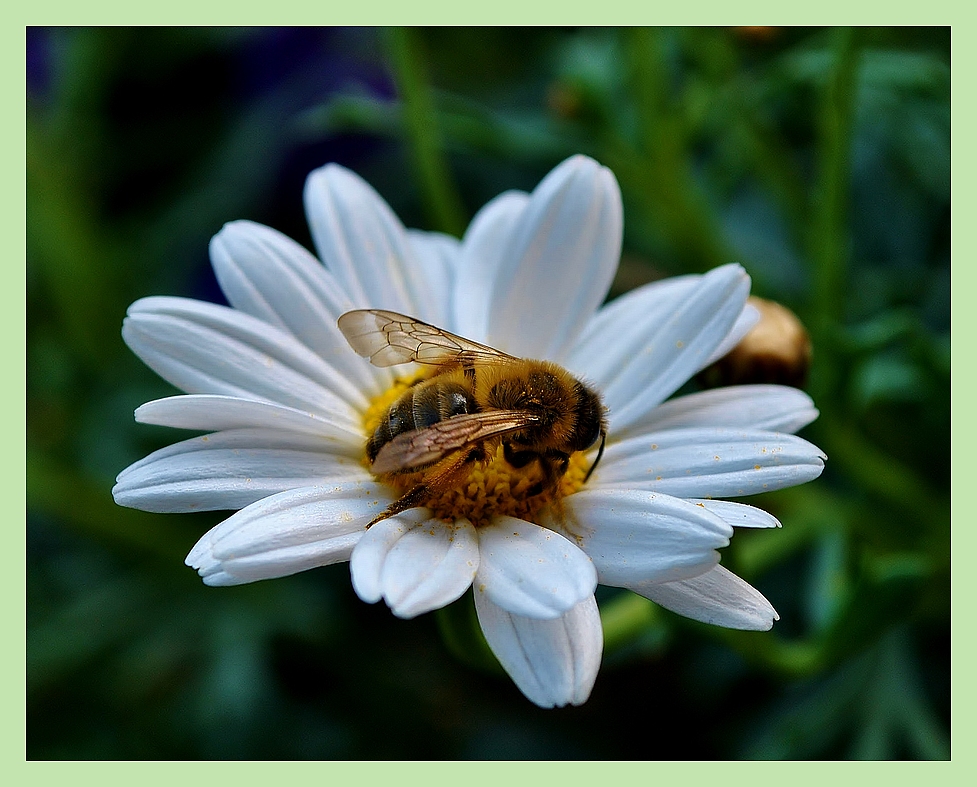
<point>423,447</point>
<point>389,339</point>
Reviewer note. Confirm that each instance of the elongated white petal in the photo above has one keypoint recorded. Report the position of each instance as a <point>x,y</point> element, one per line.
<point>483,252</point>
<point>215,413</point>
<point>277,562</point>
<point>678,347</point>
<point>230,470</point>
<point>738,514</point>
<point>633,536</point>
<point>363,243</point>
<point>553,662</point>
<point>776,408</point>
<point>530,570</point>
<point>208,349</point>
<point>559,261</point>
<point>718,597</point>
<point>437,256</point>
<point>710,462</point>
<point>289,532</point>
<point>269,276</point>
<point>415,563</point>
<point>620,330</point>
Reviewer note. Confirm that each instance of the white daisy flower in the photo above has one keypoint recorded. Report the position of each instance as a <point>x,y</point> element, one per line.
<point>289,406</point>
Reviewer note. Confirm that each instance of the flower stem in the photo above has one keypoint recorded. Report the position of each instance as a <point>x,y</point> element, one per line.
<point>828,242</point>
<point>658,171</point>
<point>625,618</point>
<point>462,635</point>
<point>85,505</point>
<point>829,231</point>
<point>420,122</point>
<point>883,476</point>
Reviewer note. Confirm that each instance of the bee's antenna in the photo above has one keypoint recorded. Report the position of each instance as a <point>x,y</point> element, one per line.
<point>600,453</point>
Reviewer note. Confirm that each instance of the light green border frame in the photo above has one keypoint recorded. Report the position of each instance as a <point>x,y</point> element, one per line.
<point>513,12</point>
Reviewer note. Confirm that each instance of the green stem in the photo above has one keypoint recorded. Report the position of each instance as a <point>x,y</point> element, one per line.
<point>829,224</point>
<point>658,171</point>
<point>624,618</point>
<point>830,254</point>
<point>420,122</point>
<point>462,635</point>
<point>67,248</point>
<point>59,491</point>
<point>883,476</point>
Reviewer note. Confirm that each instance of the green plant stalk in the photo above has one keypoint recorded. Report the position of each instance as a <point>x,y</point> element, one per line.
<point>66,247</point>
<point>624,618</point>
<point>830,219</point>
<point>462,635</point>
<point>829,225</point>
<point>658,172</point>
<point>423,136</point>
<point>881,475</point>
<point>87,507</point>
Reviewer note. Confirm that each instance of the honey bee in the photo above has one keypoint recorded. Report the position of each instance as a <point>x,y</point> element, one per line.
<point>477,399</point>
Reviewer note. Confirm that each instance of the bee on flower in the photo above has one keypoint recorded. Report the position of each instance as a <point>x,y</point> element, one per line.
<point>452,414</point>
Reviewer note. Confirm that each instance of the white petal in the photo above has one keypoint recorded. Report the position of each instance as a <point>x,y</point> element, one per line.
<point>230,470</point>
<point>776,408</point>
<point>553,662</point>
<point>288,532</point>
<point>633,536</point>
<point>710,462</point>
<point>559,261</point>
<point>483,252</point>
<point>271,277</point>
<point>620,329</point>
<point>745,323</point>
<point>366,563</point>
<point>216,413</point>
<point>415,563</point>
<point>677,347</point>
<point>430,567</point>
<point>530,570</point>
<point>209,349</point>
<point>363,243</point>
<point>738,514</point>
<point>718,597</point>
<point>437,256</point>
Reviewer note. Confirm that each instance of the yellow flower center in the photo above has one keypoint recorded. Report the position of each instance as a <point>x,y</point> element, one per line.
<point>490,487</point>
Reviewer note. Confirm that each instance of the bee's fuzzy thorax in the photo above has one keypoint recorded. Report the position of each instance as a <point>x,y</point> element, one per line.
<point>533,385</point>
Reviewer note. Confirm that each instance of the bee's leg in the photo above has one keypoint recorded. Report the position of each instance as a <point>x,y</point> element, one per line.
<point>438,479</point>
<point>559,462</point>
<point>552,463</point>
<point>518,457</point>
<point>415,498</point>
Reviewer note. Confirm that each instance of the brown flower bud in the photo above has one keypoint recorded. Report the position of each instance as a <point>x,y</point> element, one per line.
<point>776,350</point>
<point>757,34</point>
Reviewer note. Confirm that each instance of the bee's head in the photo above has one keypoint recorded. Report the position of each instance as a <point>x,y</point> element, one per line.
<point>589,423</point>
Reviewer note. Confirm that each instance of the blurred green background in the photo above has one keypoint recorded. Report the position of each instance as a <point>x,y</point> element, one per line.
<point>819,159</point>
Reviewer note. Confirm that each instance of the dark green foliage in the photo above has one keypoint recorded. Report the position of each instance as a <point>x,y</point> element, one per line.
<point>819,159</point>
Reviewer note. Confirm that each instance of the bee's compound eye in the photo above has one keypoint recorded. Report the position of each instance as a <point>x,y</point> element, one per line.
<point>588,424</point>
